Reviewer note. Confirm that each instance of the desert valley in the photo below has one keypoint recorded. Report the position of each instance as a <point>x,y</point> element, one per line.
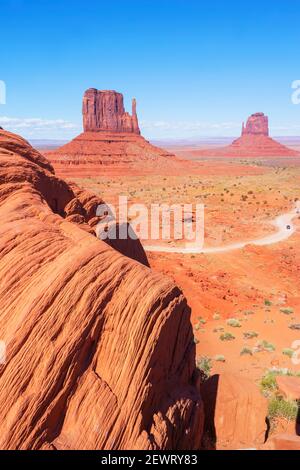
<point>150,232</point>
<point>199,351</point>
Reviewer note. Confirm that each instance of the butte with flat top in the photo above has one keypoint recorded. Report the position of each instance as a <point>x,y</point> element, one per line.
<point>111,141</point>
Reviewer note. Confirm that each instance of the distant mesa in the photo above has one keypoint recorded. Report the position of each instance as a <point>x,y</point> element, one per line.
<point>111,140</point>
<point>255,141</point>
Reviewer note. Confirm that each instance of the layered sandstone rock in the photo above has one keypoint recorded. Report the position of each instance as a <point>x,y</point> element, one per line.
<point>103,110</point>
<point>100,350</point>
<point>235,412</point>
<point>257,124</point>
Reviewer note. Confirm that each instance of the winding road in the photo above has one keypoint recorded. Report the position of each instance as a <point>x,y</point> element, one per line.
<point>283,223</point>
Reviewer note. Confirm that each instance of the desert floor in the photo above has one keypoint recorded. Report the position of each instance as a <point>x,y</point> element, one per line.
<point>257,287</point>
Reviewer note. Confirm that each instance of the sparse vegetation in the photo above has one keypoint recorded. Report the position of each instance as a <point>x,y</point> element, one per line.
<point>287,311</point>
<point>248,313</point>
<point>216,316</point>
<point>218,330</point>
<point>234,323</point>
<point>288,352</point>
<point>204,363</point>
<point>227,337</point>
<point>280,408</point>
<point>265,346</point>
<point>268,382</point>
<point>246,351</point>
<point>250,334</point>
<point>220,358</point>
<point>268,303</point>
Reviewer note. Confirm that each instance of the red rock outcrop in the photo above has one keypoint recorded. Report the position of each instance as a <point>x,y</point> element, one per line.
<point>103,110</point>
<point>289,387</point>
<point>254,142</point>
<point>235,412</point>
<point>257,124</point>
<point>111,141</point>
<point>100,350</point>
<point>284,442</point>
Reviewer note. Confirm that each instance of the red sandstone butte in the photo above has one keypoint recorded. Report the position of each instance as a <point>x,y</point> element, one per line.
<point>111,140</point>
<point>103,110</point>
<point>100,348</point>
<point>257,124</point>
<point>254,142</point>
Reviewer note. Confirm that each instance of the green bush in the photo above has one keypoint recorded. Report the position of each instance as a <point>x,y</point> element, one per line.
<point>287,311</point>
<point>266,346</point>
<point>280,408</point>
<point>204,364</point>
<point>234,323</point>
<point>246,351</point>
<point>268,382</point>
<point>216,316</point>
<point>220,358</point>
<point>227,337</point>
<point>250,334</point>
<point>288,352</point>
<point>248,313</point>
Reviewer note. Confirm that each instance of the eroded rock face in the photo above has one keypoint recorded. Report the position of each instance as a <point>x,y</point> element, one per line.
<point>235,412</point>
<point>257,124</point>
<point>103,110</point>
<point>284,442</point>
<point>289,386</point>
<point>100,350</point>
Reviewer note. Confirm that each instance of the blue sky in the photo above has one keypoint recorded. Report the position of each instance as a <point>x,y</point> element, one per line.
<point>197,68</point>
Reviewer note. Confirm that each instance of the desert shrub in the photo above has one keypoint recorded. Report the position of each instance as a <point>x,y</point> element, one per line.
<point>268,303</point>
<point>250,334</point>
<point>266,346</point>
<point>248,313</point>
<point>234,323</point>
<point>288,352</point>
<point>216,316</point>
<point>246,351</point>
<point>196,340</point>
<point>287,311</point>
<point>227,337</point>
<point>218,330</point>
<point>220,358</point>
<point>280,408</point>
<point>204,364</point>
<point>295,326</point>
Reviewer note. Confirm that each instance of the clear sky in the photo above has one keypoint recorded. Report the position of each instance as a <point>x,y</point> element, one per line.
<point>197,68</point>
